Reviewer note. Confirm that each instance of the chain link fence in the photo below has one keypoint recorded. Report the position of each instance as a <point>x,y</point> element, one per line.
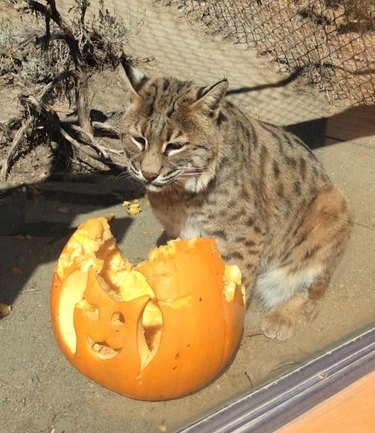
<point>331,42</point>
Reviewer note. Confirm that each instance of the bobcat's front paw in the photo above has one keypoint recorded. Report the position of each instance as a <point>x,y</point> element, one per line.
<point>278,325</point>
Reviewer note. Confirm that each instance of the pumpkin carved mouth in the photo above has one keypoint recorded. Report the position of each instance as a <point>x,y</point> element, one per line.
<point>148,333</point>
<point>158,330</point>
<point>102,350</point>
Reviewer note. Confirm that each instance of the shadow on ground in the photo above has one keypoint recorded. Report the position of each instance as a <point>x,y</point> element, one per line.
<point>36,222</point>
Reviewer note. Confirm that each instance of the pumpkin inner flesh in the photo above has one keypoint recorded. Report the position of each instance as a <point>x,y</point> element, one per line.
<point>233,283</point>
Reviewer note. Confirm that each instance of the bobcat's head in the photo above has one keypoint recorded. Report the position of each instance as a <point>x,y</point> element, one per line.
<point>171,130</point>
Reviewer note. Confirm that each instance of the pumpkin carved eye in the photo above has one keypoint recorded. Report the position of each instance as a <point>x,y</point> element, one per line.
<point>160,330</point>
<point>117,319</point>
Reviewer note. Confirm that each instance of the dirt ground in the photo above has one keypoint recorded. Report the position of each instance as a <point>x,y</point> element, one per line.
<point>39,390</point>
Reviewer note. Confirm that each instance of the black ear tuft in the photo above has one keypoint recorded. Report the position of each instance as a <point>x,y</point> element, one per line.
<point>133,77</point>
<point>209,98</point>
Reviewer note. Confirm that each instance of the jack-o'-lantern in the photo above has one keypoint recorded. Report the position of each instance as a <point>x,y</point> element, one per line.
<point>160,330</point>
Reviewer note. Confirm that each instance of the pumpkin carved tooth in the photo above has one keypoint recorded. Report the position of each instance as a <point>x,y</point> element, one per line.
<point>102,350</point>
<point>146,331</point>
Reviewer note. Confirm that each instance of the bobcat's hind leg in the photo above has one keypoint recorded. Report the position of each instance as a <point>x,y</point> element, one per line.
<point>306,266</point>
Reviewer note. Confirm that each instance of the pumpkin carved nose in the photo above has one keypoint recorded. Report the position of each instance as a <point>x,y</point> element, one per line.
<point>150,175</point>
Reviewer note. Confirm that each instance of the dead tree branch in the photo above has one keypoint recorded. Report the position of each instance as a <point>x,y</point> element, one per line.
<point>102,150</point>
<point>76,50</point>
<point>50,86</point>
<point>5,163</point>
<point>89,146</point>
<point>50,12</point>
<point>103,126</point>
<point>22,131</point>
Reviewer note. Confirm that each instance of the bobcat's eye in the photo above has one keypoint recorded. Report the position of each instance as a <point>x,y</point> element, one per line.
<point>170,147</point>
<point>139,141</point>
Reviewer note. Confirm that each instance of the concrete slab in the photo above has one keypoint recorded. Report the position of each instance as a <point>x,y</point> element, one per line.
<point>39,390</point>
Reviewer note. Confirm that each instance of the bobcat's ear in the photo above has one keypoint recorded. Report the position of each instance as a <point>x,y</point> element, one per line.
<point>133,78</point>
<point>209,98</point>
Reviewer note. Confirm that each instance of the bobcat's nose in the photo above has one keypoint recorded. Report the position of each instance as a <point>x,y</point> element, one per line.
<point>150,175</point>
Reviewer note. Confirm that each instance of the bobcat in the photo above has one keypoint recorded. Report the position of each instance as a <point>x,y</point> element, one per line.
<point>210,170</point>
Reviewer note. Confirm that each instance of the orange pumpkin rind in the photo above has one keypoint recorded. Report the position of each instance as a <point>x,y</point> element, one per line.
<point>156,331</point>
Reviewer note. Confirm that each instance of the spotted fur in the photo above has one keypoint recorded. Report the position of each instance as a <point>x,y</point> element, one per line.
<point>210,170</point>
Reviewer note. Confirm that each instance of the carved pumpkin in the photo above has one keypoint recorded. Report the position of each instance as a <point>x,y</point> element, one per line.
<point>160,330</point>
